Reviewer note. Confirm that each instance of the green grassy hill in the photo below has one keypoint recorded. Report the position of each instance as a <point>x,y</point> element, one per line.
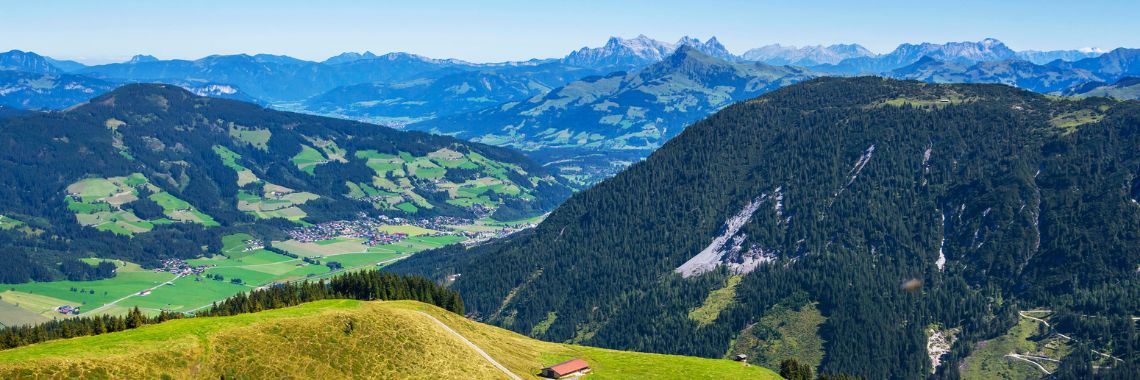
<point>337,339</point>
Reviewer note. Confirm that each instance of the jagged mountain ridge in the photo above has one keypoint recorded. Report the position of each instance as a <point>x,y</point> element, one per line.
<point>777,54</point>
<point>626,54</point>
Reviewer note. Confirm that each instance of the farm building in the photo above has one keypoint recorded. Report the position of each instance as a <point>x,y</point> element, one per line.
<point>566,368</point>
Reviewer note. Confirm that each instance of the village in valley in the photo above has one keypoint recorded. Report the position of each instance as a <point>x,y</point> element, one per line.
<point>247,262</point>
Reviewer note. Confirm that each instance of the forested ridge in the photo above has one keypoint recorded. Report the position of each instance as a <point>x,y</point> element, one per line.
<point>214,154</point>
<point>864,184</point>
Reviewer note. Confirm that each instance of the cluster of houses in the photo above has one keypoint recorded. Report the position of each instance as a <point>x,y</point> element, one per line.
<point>365,228</point>
<point>438,223</point>
<point>179,267</point>
<point>68,309</point>
<point>252,245</point>
<point>476,238</point>
<point>368,229</point>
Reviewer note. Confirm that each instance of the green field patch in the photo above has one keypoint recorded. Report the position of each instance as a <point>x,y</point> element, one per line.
<point>79,207</point>
<point>99,202</point>
<point>1068,122</point>
<point>372,154</point>
<point>234,244</point>
<point>331,241</point>
<point>183,295</point>
<point>407,157</point>
<point>278,202</point>
<point>12,315</point>
<point>423,167</point>
<point>783,333</point>
<point>352,260</point>
<point>258,257</point>
<point>308,159</point>
<point>230,160</point>
<point>407,229</point>
<point>89,294</point>
<point>169,202</point>
<point>256,137</point>
<point>7,223</point>
<point>408,207</point>
<point>989,361</point>
<point>451,159</point>
<point>93,188</point>
<point>330,149</point>
<point>716,302</point>
<point>541,327</point>
<point>34,304</point>
<point>320,250</point>
<point>468,202</point>
<point>511,223</point>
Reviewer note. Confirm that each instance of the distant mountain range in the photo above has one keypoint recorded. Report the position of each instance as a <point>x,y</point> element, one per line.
<point>597,101</point>
<point>1127,88</point>
<point>777,54</point>
<point>638,110</point>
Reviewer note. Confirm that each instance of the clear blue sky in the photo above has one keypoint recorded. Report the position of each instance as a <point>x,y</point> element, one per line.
<point>97,31</point>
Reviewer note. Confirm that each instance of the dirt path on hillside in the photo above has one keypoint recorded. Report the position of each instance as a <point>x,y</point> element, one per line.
<point>473,346</point>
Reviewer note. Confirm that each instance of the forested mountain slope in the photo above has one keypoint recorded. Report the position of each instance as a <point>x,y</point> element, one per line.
<point>152,171</point>
<point>843,222</point>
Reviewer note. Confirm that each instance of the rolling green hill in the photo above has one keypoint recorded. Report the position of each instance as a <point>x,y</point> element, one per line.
<point>338,339</point>
<point>148,172</point>
<point>874,219</point>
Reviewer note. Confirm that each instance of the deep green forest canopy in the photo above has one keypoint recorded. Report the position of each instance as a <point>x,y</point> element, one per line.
<point>861,186</point>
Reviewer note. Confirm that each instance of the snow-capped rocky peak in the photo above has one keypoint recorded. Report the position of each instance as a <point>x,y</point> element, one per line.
<point>617,51</point>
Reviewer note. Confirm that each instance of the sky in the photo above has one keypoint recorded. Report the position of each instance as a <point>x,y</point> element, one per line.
<point>493,31</point>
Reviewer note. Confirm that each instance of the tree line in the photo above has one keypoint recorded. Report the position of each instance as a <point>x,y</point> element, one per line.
<point>368,285</point>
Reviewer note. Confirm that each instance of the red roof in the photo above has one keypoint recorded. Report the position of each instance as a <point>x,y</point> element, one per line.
<point>569,366</point>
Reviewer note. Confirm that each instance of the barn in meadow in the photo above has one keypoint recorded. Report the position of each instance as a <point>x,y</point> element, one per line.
<point>566,368</point>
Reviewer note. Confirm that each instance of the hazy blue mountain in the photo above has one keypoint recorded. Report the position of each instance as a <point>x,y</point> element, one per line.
<point>7,112</point>
<point>1043,57</point>
<point>262,76</point>
<point>958,52</point>
<point>777,54</point>
<point>1057,77</point>
<point>39,91</point>
<point>463,91</point>
<point>65,65</point>
<point>1017,73</point>
<point>1112,66</point>
<point>142,58</point>
<point>617,112</point>
<point>1127,88</point>
<point>16,60</point>
<point>349,57</point>
<point>638,110</point>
